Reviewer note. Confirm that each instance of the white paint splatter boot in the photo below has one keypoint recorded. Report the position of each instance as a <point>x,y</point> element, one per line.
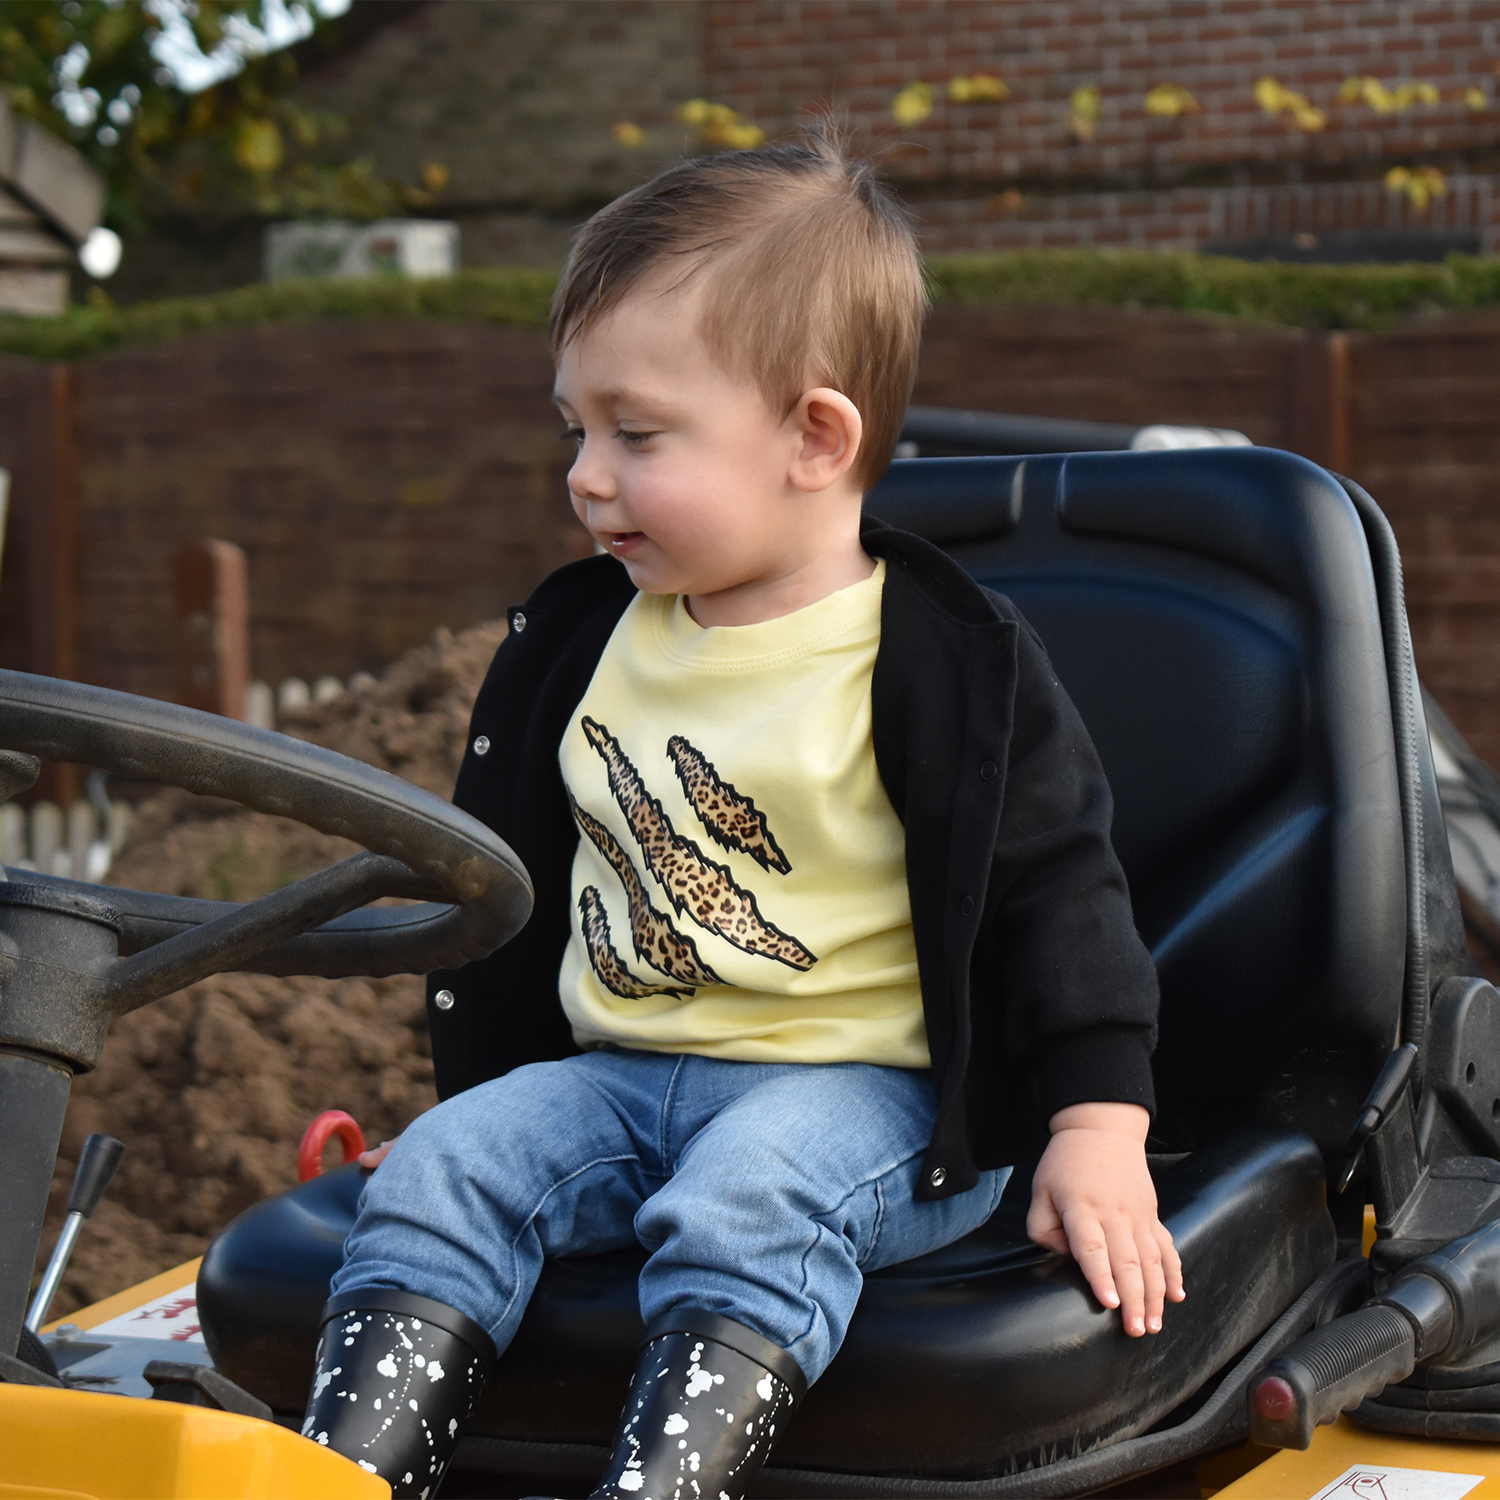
<point>707,1401</point>
<point>397,1377</point>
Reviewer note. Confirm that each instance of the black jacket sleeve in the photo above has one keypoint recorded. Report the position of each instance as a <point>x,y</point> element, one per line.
<point>1058,940</point>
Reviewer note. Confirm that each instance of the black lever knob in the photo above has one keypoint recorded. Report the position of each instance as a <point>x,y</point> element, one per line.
<point>96,1169</point>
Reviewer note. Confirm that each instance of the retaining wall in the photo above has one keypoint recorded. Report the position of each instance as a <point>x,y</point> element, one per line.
<point>385,479</point>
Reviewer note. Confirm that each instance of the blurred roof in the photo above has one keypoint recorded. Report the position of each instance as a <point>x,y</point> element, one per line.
<point>337,36</point>
<point>49,177</point>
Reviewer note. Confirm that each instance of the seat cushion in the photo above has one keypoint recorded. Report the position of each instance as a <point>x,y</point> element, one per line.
<point>982,1358</point>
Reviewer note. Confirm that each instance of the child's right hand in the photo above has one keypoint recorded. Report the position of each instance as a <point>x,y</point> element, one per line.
<point>372,1158</point>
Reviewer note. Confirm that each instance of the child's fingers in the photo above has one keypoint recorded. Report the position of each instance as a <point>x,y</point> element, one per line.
<point>1086,1239</point>
<point>1129,1278</point>
<point>1171,1263</point>
<point>1153,1274</point>
<point>372,1158</point>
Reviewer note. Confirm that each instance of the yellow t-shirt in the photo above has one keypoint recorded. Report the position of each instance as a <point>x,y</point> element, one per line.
<point>739,889</point>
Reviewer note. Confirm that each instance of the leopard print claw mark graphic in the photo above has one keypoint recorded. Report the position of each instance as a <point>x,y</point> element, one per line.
<point>693,882</point>
<point>733,821</point>
<point>656,940</point>
<point>612,970</point>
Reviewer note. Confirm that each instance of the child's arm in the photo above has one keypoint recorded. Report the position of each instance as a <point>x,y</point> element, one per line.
<point>1093,1196</point>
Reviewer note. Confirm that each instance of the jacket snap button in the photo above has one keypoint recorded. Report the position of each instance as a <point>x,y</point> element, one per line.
<point>481,744</point>
<point>988,771</point>
<point>443,999</point>
<point>518,622</point>
<point>966,905</point>
<point>937,1176</point>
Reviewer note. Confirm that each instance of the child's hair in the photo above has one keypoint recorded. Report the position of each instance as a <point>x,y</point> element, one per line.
<point>815,277</point>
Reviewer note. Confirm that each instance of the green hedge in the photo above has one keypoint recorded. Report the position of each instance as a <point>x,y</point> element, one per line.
<point>1297,296</point>
<point>1359,296</point>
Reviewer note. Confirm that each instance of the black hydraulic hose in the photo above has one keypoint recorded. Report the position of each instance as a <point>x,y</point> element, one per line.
<point>1401,671</point>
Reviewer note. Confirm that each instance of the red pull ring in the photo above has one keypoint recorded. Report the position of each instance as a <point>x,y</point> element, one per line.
<point>331,1122</point>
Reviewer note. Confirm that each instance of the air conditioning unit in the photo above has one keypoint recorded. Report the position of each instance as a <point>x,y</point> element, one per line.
<point>339,248</point>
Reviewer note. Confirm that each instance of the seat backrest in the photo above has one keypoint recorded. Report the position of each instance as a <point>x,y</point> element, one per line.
<point>1213,615</point>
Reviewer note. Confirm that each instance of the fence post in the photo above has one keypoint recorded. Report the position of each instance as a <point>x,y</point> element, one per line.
<point>1321,397</point>
<point>213,627</point>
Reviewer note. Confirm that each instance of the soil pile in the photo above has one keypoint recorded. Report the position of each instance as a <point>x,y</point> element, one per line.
<point>212,1088</point>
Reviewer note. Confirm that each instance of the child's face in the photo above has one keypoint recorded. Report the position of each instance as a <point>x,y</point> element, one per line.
<point>687,475</point>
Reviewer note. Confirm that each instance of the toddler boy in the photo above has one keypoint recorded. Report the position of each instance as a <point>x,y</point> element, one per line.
<point>822,867</point>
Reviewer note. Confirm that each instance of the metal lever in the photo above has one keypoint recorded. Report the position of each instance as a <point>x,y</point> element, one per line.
<point>1382,1096</point>
<point>96,1167</point>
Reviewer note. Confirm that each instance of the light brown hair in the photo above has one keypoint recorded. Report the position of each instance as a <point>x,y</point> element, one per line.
<point>813,267</point>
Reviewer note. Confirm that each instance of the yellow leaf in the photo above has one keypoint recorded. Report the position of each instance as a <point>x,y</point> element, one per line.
<point>912,105</point>
<point>1378,96</point>
<point>1270,95</point>
<point>1351,90</point>
<point>1084,109</point>
<point>1475,99</point>
<point>744,137</point>
<point>625,133</point>
<point>1420,186</point>
<point>1169,100</point>
<point>258,146</point>
<point>435,177</point>
<point>1275,98</point>
<point>982,87</point>
<point>1414,93</point>
<point>694,112</point>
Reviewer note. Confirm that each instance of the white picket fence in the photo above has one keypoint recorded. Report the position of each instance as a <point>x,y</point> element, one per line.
<point>265,706</point>
<point>81,841</point>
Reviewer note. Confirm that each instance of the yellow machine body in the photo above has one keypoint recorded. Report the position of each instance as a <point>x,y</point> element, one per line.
<point>1347,1463</point>
<point>76,1443</point>
<point>65,1445</point>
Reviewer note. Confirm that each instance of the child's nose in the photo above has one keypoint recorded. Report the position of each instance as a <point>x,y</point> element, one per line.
<point>589,478</point>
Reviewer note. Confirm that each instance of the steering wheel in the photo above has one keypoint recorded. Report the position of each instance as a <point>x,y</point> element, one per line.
<point>476,892</point>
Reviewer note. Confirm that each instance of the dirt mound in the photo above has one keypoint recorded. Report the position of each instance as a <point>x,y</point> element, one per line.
<point>212,1088</point>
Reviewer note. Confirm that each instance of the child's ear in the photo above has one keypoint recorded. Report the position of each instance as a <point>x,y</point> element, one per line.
<point>829,428</point>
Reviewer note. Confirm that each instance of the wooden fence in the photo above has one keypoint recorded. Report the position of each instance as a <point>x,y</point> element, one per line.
<point>387,478</point>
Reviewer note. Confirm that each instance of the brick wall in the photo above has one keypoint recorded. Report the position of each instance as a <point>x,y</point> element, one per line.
<point>1224,173</point>
<point>775,56</point>
<point>1425,440</point>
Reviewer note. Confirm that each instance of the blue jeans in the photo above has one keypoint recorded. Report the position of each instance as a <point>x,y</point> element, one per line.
<point>763,1191</point>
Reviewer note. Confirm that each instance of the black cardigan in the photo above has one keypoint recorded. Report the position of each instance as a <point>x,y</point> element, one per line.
<point>1037,991</point>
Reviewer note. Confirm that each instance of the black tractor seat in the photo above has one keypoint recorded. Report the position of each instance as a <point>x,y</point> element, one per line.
<point>1214,615</point>
<point>991,1313</point>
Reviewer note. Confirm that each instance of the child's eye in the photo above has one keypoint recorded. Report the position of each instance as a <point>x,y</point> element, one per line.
<point>632,439</point>
<point>572,435</point>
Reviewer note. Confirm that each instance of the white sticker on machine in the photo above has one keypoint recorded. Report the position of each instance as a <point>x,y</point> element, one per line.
<point>1381,1482</point>
<point>174,1315</point>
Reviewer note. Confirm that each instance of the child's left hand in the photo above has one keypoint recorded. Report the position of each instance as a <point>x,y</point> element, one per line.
<point>1093,1196</point>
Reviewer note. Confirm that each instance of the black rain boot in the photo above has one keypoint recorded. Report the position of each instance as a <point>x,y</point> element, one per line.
<point>397,1377</point>
<point>706,1402</point>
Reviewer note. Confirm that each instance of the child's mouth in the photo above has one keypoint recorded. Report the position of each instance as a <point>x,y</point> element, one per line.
<point>622,543</point>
